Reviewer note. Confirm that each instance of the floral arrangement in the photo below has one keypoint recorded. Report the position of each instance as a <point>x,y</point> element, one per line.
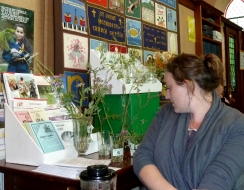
<point>128,68</point>
<point>158,62</point>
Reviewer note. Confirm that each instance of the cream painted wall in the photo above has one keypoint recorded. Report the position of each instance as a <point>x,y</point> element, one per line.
<point>185,45</point>
<point>43,27</point>
<point>219,4</point>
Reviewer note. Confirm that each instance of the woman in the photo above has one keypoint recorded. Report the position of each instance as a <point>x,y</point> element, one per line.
<point>195,141</point>
<point>20,50</point>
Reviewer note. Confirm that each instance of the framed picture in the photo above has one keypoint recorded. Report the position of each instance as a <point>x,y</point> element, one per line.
<point>241,60</point>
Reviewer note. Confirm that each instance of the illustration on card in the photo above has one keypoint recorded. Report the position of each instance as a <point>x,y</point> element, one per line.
<point>27,86</point>
<point>73,79</point>
<point>147,11</point>
<point>75,51</point>
<point>74,16</point>
<point>171,20</point>
<point>117,5</point>
<point>102,3</point>
<point>46,90</point>
<point>133,32</point>
<point>133,8</point>
<point>160,15</point>
<point>172,43</point>
<point>137,53</point>
<point>171,3</point>
<point>117,48</point>
<point>65,131</point>
<point>99,45</point>
<point>20,21</point>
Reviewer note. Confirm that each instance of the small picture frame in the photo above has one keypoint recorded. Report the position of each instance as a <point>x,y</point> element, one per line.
<point>241,60</point>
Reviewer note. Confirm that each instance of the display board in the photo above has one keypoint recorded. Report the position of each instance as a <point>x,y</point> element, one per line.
<point>139,26</point>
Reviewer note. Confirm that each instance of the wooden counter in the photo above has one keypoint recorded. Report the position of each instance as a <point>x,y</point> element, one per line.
<point>22,177</point>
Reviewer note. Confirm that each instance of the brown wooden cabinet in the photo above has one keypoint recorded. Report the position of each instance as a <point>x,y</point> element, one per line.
<point>207,20</point>
<point>21,177</point>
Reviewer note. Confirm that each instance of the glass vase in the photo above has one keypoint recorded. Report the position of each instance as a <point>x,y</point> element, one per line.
<point>81,130</point>
<point>117,151</point>
<point>104,145</point>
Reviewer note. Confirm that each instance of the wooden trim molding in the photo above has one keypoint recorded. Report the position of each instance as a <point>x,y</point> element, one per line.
<point>230,24</point>
<point>187,3</point>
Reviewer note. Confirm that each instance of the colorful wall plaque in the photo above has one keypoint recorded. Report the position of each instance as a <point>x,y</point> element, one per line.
<point>117,48</point>
<point>103,3</point>
<point>171,3</point>
<point>147,11</point>
<point>106,25</point>
<point>172,43</point>
<point>133,8</point>
<point>75,51</point>
<point>117,5</point>
<point>148,57</point>
<point>74,16</point>
<point>171,20</point>
<point>160,15</point>
<point>133,32</point>
<point>154,38</point>
<point>72,79</point>
<point>98,45</point>
<point>136,52</point>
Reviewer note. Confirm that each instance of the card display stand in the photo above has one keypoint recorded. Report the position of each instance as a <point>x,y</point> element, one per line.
<point>20,148</point>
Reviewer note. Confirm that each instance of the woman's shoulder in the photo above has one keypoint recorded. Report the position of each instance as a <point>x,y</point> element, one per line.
<point>232,117</point>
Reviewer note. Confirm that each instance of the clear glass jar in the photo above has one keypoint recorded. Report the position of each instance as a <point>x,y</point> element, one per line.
<point>117,151</point>
<point>98,177</point>
<point>81,130</point>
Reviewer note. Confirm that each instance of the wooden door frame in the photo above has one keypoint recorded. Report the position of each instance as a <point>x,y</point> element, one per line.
<point>231,29</point>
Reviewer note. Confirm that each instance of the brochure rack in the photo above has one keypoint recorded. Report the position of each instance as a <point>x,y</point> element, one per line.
<point>21,149</point>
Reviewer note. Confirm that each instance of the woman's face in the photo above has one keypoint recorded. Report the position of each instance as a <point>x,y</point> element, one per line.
<point>19,33</point>
<point>177,94</point>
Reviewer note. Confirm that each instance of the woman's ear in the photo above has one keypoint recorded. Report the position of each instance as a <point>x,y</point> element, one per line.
<point>189,86</point>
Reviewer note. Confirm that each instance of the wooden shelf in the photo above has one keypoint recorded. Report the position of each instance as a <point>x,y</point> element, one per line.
<point>213,24</point>
<point>204,13</point>
<point>211,40</point>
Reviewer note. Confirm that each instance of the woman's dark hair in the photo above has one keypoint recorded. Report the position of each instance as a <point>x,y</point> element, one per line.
<point>206,71</point>
<point>25,41</point>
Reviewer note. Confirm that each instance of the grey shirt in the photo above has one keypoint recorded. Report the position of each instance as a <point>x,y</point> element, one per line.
<point>213,160</point>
